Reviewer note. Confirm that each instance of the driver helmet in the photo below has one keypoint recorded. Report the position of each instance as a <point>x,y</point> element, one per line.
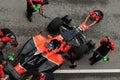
<point>54,44</point>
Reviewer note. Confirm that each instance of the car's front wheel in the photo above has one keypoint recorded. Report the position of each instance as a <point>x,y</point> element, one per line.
<point>54,25</point>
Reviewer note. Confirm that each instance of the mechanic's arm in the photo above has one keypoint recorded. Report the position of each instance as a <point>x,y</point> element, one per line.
<point>86,19</point>
<point>98,46</point>
<point>13,50</point>
<point>14,44</point>
<point>41,10</point>
<point>32,3</point>
<point>110,52</point>
<point>93,23</point>
<point>5,40</point>
<point>2,79</point>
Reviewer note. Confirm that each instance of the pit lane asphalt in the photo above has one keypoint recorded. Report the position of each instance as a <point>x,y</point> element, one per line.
<point>87,77</point>
<point>12,15</point>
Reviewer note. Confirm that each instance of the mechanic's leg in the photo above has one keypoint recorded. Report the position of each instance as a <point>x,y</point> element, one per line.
<point>29,12</point>
<point>73,63</point>
<point>96,60</point>
<point>72,60</point>
<point>70,57</point>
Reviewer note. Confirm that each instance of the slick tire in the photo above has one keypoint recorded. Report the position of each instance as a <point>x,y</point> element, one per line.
<point>90,44</point>
<point>54,25</point>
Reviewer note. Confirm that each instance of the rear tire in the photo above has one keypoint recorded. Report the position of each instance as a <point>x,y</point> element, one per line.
<point>78,54</point>
<point>90,44</point>
<point>82,49</point>
<point>54,25</point>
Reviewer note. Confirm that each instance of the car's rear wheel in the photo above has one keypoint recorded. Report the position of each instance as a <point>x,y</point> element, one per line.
<point>91,45</point>
<point>79,51</point>
<point>54,25</point>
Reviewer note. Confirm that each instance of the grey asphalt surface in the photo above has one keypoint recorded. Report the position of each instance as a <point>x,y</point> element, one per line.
<point>12,15</point>
<point>87,77</point>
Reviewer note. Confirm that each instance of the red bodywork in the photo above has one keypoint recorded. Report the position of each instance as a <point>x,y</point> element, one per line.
<point>39,42</point>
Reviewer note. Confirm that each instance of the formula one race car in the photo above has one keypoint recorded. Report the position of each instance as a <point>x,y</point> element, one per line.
<point>41,56</point>
<point>80,44</point>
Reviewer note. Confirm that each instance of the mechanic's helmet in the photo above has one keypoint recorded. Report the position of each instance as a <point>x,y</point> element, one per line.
<point>45,2</point>
<point>98,13</point>
<point>11,36</point>
<point>54,43</point>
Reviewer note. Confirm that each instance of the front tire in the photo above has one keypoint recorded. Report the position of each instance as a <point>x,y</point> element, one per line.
<point>54,25</point>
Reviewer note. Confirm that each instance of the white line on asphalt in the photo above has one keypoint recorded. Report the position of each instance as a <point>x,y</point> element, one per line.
<point>89,71</point>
